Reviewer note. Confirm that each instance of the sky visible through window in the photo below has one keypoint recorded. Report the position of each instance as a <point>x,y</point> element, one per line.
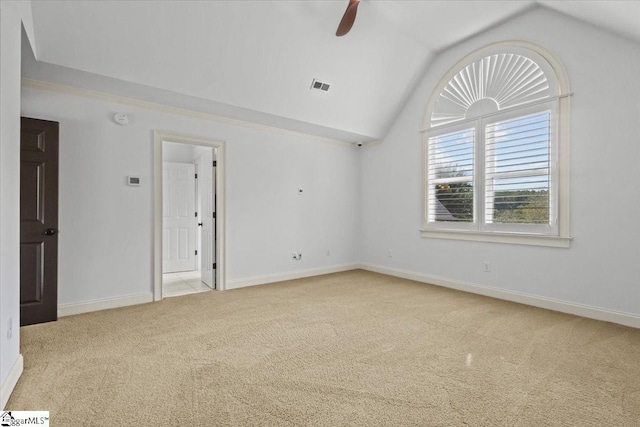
<point>516,172</point>
<point>451,175</point>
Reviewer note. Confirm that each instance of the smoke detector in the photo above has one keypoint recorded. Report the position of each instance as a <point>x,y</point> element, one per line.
<point>318,85</point>
<point>121,119</point>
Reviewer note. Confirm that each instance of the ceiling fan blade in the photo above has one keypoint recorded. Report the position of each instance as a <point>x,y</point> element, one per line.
<point>348,18</point>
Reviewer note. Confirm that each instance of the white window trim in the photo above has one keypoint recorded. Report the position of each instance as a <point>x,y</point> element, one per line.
<point>447,226</point>
<point>563,238</point>
<point>499,237</point>
<point>538,229</point>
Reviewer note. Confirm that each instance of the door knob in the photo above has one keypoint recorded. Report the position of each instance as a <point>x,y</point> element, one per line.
<point>50,231</point>
<point>199,224</point>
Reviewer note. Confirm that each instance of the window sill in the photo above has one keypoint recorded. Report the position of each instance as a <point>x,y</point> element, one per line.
<point>494,237</point>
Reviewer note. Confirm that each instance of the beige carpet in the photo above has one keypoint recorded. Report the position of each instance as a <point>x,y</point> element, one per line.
<point>347,349</point>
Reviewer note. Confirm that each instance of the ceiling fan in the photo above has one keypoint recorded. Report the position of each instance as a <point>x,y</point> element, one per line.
<point>348,18</point>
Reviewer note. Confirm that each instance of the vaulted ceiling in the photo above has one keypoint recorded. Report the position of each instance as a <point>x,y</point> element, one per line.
<point>255,60</point>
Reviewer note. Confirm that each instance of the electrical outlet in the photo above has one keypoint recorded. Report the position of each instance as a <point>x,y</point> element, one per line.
<point>486,266</point>
<point>390,253</point>
<point>297,256</point>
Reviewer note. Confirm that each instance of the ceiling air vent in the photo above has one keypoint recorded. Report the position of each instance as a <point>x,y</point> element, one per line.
<point>316,84</point>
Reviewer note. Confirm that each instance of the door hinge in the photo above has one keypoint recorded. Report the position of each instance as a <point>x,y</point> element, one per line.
<point>196,176</point>
<point>214,265</point>
<point>215,163</point>
<point>214,215</point>
<point>196,214</point>
<point>196,252</point>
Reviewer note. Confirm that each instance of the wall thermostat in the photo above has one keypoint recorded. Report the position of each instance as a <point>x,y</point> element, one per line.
<point>133,180</point>
<point>121,118</point>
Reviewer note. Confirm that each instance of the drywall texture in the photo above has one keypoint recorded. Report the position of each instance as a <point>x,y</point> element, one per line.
<point>602,267</point>
<point>12,17</point>
<point>106,226</point>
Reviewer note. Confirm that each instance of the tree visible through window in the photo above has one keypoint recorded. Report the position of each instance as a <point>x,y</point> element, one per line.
<point>452,176</point>
<point>492,147</point>
<point>517,170</point>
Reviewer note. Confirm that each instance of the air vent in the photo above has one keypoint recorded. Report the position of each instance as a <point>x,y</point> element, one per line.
<point>316,84</point>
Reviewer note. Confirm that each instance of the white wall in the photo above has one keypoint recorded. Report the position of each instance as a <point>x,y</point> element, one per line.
<point>602,267</point>
<point>105,238</point>
<point>12,17</point>
<point>179,153</point>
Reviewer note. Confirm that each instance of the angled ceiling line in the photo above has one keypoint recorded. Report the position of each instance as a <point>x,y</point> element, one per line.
<point>154,106</point>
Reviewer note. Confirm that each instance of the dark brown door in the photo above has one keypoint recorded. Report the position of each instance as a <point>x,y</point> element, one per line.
<point>38,221</point>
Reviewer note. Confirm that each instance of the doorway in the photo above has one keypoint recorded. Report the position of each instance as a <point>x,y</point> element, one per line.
<point>188,218</point>
<point>188,215</point>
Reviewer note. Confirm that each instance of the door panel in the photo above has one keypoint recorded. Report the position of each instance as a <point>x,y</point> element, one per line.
<point>166,242</point>
<point>38,221</point>
<point>31,274</point>
<point>183,242</point>
<point>206,190</point>
<point>32,139</point>
<point>31,187</point>
<point>179,201</point>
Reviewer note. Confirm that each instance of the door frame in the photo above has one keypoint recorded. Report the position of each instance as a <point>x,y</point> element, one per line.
<point>158,138</point>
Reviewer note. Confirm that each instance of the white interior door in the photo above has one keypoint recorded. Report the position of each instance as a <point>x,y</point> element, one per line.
<point>178,221</point>
<point>206,189</point>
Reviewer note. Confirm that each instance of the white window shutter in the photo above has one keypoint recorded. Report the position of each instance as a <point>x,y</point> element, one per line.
<point>517,170</point>
<point>450,176</point>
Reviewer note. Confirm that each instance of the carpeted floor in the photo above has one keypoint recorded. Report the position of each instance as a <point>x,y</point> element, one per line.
<point>347,349</point>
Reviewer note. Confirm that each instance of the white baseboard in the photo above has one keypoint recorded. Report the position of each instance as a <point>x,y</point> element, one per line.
<point>298,274</point>
<point>591,312</point>
<point>588,311</point>
<point>103,304</point>
<point>10,382</point>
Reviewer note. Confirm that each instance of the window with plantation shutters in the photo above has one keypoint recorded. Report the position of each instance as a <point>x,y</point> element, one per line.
<point>518,171</point>
<point>451,176</point>
<point>495,144</point>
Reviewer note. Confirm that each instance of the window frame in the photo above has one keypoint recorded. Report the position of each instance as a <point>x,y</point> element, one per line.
<point>444,130</point>
<point>550,229</point>
<point>557,233</point>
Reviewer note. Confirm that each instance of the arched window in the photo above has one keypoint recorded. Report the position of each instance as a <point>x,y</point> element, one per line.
<point>496,149</point>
